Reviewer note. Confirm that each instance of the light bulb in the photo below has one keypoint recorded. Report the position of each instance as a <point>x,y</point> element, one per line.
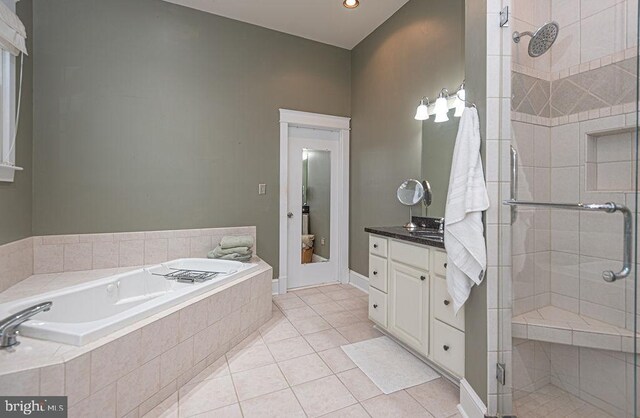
<point>441,109</point>
<point>351,4</point>
<point>422,112</point>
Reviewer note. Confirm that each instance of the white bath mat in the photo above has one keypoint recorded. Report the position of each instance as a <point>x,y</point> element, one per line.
<point>388,365</point>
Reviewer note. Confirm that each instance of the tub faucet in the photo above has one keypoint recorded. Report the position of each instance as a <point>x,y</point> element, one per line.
<point>9,325</point>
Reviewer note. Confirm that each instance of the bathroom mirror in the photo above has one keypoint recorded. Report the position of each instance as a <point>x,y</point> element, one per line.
<point>316,206</point>
<point>438,140</point>
<point>410,193</point>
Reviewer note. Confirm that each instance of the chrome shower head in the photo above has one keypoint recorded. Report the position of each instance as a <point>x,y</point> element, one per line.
<point>541,40</point>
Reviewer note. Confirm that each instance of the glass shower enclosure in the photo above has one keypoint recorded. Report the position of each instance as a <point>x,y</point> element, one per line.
<point>568,320</point>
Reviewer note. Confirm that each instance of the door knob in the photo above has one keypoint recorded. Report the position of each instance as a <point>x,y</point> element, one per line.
<point>289,215</point>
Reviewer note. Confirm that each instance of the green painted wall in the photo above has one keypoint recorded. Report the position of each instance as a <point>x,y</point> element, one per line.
<point>419,50</point>
<point>153,116</point>
<point>15,198</point>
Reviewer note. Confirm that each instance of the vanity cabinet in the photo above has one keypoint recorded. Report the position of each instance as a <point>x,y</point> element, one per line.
<point>408,298</point>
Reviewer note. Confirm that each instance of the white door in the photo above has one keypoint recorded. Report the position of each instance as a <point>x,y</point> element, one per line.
<point>312,236</point>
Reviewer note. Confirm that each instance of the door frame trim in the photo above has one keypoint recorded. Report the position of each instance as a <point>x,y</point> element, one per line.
<point>319,121</point>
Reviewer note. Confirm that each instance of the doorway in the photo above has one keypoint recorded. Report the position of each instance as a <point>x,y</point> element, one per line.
<point>314,155</point>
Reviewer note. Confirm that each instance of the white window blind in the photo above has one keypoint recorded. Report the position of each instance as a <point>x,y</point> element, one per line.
<point>12,31</point>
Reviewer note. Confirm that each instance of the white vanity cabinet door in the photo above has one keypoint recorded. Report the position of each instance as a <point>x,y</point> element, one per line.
<point>448,347</point>
<point>378,272</point>
<point>408,298</point>
<point>443,304</point>
<point>378,246</point>
<point>378,307</point>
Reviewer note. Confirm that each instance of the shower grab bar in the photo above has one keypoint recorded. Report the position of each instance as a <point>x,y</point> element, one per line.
<point>609,207</point>
<point>514,182</point>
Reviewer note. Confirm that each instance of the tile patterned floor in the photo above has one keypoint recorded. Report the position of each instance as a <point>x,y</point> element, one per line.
<point>294,367</point>
<point>551,401</point>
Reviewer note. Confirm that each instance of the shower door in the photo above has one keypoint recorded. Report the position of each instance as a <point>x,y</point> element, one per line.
<point>568,317</point>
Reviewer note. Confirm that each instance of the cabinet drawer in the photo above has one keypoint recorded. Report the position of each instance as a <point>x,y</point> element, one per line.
<point>411,255</point>
<point>378,272</point>
<point>378,245</point>
<point>443,305</point>
<point>448,347</point>
<point>378,307</point>
<point>440,263</point>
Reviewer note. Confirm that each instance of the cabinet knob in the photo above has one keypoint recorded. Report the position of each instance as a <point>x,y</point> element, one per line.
<point>445,347</point>
<point>375,273</point>
<point>423,278</point>
<point>375,306</point>
<point>445,265</point>
<point>446,302</point>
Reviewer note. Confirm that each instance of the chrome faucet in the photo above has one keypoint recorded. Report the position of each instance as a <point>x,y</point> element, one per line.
<point>441,225</point>
<point>9,325</point>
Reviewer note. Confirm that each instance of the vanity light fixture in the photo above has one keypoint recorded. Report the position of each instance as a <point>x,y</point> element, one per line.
<point>351,4</point>
<point>459,102</point>
<point>422,112</point>
<point>441,108</point>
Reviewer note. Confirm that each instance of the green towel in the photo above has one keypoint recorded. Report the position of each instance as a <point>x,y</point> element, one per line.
<point>236,257</point>
<point>236,241</point>
<point>219,251</point>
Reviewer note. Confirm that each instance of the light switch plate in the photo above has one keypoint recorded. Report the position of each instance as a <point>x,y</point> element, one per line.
<point>262,189</point>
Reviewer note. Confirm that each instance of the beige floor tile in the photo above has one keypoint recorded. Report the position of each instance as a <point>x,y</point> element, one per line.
<point>329,288</point>
<point>249,358</point>
<point>252,340</point>
<point>361,314</point>
<point>300,313</point>
<point>359,384</point>
<point>306,292</point>
<point>256,382</point>
<point>231,411</point>
<point>322,396</point>
<point>274,405</point>
<point>318,299</point>
<point>206,396</point>
<point>398,404</point>
<point>439,397</point>
<point>304,369</point>
<point>310,325</point>
<point>290,303</point>
<point>359,332</point>
<point>290,348</point>
<point>337,360</point>
<point>353,411</point>
<point>327,308</point>
<point>326,339</point>
<point>341,319</point>
<point>279,331</point>
<point>217,369</point>
<point>165,409</point>
<point>353,303</point>
<point>339,294</point>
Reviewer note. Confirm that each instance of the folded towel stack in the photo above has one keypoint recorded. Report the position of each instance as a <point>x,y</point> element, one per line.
<point>236,248</point>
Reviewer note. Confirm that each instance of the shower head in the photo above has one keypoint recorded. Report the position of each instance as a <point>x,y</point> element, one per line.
<point>541,40</point>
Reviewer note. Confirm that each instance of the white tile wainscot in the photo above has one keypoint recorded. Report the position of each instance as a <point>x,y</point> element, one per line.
<point>132,370</point>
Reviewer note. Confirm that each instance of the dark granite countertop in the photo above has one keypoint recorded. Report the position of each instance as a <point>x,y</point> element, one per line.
<point>401,233</point>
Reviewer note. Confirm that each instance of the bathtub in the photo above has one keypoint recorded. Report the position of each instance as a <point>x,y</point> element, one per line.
<point>83,313</point>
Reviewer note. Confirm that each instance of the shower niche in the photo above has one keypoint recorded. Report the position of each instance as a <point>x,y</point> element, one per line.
<point>610,161</point>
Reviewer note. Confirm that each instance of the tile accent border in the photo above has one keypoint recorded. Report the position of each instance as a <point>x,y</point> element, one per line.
<point>79,252</point>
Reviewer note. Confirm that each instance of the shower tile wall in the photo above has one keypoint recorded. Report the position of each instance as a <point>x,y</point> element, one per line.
<point>573,113</point>
<point>572,110</point>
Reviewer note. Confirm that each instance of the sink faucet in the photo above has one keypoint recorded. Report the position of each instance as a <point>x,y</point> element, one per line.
<point>441,225</point>
<point>9,325</point>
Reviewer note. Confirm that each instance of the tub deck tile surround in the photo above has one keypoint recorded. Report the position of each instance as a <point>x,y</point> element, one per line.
<point>136,368</point>
<point>64,253</point>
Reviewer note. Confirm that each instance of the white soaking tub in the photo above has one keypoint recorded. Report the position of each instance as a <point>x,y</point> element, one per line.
<point>83,313</point>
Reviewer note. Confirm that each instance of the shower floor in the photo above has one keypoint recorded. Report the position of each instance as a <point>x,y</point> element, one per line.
<point>551,401</point>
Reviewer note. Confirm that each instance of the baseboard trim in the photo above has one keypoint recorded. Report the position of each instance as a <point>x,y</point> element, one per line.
<point>470,406</point>
<point>359,281</point>
<point>275,287</point>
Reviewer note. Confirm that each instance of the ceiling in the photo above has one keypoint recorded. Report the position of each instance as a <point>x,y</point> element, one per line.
<point>325,21</point>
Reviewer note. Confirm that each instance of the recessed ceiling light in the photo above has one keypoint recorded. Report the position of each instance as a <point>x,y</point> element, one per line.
<point>351,4</point>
